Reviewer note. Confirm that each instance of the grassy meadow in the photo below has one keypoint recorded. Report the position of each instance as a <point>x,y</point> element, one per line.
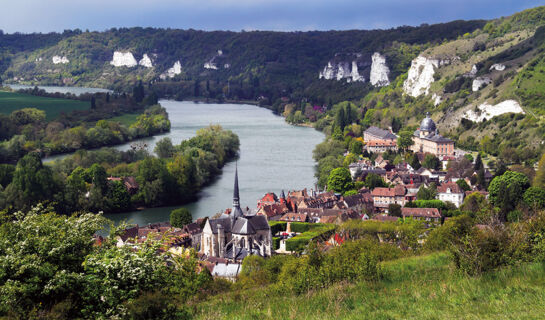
<point>126,119</point>
<point>53,107</point>
<point>423,287</point>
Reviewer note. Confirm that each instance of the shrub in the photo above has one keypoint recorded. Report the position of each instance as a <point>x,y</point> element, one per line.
<point>481,250</point>
<point>277,226</point>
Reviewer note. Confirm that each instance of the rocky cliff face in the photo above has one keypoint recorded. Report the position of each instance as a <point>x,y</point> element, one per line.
<point>379,71</point>
<point>59,59</point>
<point>341,70</point>
<point>145,61</point>
<point>486,111</point>
<point>123,59</point>
<point>420,76</point>
<point>172,72</point>
<point>480,82</point>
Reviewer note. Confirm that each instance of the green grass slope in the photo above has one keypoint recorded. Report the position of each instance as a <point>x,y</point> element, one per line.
<point>53,107</point>
<point>424,287</point>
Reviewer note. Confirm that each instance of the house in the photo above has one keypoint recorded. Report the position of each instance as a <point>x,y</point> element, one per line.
<point>427,214</point>
<point>273,211</point>
<point>384,218</point>
<point>236,235</point>
<point>268,198</point>
<point>358,202</point>
<point>380,146</point>
<point>383,197</point>
<point>131,185</point>
<point>451,192</point>
<point>294,217</point>
<point>374,133</point>
<point>428,140</point>
<point>194,230</point>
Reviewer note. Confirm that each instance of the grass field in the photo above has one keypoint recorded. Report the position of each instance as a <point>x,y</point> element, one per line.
<point>10,101</point>
<point>127,119</point>
<point>425,287</point>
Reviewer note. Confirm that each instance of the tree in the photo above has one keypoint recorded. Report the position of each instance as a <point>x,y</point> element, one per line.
<point>405,140</point>
<point>463,184</point>
<point>119,199</point>
<point>427,193</point>
<point>534,198</point>
<point>474,203</point>
<point>93,103</point>
<point>414,162</point>
<point>138,92</point>
<point>340,119</point>
<point>431,162</point>
<point>373,181</point>
<point>506,191</point>
<point>478,163</point>
<point>539,179</point>
<point>164,148</point>
<point>394,210</point>
<point>180,217</point>
<point>32,182</point>
<point>356,147</point>
<point>339,180</point>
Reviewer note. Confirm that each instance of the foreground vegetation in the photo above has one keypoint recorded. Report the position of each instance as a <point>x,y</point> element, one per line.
<point>423,287</point>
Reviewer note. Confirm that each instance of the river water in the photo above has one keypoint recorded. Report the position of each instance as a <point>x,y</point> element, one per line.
<point>273,156</point>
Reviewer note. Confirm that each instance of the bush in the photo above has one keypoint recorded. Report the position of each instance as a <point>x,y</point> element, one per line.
<point>180,217</point>
<point>277,226</point>
<point>481,250</point>
<point>313,231</point>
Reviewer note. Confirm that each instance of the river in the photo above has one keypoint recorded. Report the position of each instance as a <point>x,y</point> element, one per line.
<point>273,156</point>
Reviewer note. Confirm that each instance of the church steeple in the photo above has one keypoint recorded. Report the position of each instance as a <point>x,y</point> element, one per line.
<point>236,196</point>
<point>237,212</point>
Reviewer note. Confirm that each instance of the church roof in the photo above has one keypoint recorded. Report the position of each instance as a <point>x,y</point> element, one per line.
<point>225,222</point>
<point>427,124</point>
<point>250,224</point>
<point>382,134</point>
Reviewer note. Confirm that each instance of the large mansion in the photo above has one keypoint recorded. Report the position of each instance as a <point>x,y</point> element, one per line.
<point>428,140</point>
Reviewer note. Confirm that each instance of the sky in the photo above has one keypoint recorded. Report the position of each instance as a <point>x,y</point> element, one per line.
<point>278,15</point>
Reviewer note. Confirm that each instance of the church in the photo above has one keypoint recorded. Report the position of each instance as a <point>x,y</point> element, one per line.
<point>428,140</point>
<point>237,234</point>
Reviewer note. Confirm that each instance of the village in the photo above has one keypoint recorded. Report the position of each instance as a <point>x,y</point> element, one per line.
<point>279,223</point>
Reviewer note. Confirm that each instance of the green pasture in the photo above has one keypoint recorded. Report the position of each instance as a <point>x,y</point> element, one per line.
<point>53,107</point>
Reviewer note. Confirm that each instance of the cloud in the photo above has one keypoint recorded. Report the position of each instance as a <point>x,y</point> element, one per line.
<point>283,15</point>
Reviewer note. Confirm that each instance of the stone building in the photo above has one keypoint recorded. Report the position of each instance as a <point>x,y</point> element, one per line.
<point>238,234</point>
<point>428,140</point>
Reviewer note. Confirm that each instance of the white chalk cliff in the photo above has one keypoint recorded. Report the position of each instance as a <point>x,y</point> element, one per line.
<point>172,72</point>
<point>210,65</point>
<point>59,59</point>
<point>479,82</point>
<point>145,61</point>
<point>123,59</point>
<point>420,75</point>
<point>487,111</point>
<point>497,67</point>
<point>341,70</point>
<point>379,71</point>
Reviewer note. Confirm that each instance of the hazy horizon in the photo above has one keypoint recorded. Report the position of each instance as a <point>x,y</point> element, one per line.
<point>27,16</point>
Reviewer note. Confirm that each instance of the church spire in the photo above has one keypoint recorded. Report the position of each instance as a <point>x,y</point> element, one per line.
<point>236,196</point>
<point>237,212</point>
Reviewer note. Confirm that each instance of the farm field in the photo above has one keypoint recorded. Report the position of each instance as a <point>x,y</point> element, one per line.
<point>126,119</point>
<point>53,107</point>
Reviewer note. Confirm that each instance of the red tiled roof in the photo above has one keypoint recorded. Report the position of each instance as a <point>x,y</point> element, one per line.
<point>398,190</point>
<point>454,188</point>
<point>384,218</point>
<point>421,212</point>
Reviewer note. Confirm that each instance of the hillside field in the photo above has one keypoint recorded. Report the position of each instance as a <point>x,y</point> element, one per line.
<point>11,101</point>
<point>422,287</point>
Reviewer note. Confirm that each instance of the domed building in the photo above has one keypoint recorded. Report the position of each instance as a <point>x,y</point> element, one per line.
<point>428,140</point>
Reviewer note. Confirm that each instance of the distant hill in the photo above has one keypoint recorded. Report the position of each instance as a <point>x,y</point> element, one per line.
<point>248,64</point>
